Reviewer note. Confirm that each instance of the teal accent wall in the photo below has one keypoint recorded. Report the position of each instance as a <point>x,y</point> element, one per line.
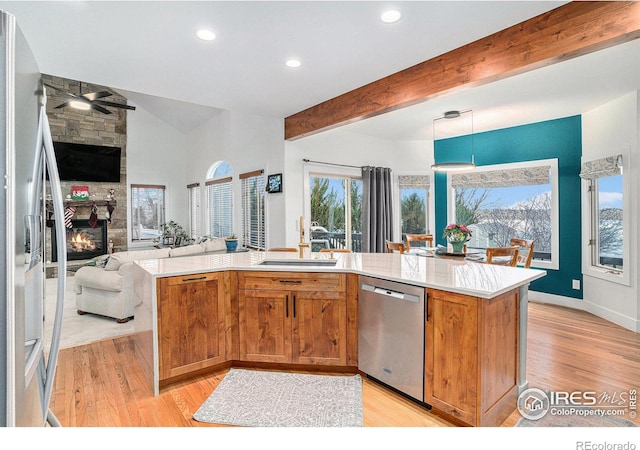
<point>561,139</point>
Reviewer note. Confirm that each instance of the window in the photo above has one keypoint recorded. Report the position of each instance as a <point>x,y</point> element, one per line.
<point>504,201</point>
<point>193,191</point>
<point>606,213</point>
<point>606,231</point>
<point>335,211</point>
<point>414,204</point>
<point>253,223</point>
<point>147,211</point>
<point>220,200</point>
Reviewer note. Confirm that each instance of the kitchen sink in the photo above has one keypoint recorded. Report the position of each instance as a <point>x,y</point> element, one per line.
<point>298,262</point>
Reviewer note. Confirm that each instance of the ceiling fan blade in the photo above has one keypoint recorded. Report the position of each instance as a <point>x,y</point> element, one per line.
<point>115,105</point>
<point>100,108</point>
<point>91,96</point>
<point>59,91</point>
<point>63,105</point>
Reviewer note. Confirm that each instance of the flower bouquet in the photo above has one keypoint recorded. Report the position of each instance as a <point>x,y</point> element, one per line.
<point>457,235</point>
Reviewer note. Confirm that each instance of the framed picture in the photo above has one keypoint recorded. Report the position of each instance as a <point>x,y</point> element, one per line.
<point>274,183</point>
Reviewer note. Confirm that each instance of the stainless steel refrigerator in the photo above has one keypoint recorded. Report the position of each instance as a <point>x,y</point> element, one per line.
<point>27,368</point>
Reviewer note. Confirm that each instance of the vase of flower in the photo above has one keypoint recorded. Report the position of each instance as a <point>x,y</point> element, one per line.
<point>457,235</point>
<point>457,246</point>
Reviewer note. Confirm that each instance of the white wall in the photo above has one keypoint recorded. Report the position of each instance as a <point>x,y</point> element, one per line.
<point>249,143</point>
<point>155,155</point>
<point>608,130</point>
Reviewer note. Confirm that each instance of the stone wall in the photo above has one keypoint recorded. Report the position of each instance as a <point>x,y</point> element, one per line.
<point>92,127</point>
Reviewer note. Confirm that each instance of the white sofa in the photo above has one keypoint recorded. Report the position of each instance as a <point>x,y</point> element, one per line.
<point>107,288</point>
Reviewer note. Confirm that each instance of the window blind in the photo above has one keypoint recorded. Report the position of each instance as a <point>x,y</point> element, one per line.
<point>525,176</point>
<point>193,191</point>
<point>220,207</point>
<point>253,217</point>
<point>605,167</point>
<point>413,181</point>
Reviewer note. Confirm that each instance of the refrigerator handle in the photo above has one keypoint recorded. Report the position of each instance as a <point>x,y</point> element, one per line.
<point>45,144</point>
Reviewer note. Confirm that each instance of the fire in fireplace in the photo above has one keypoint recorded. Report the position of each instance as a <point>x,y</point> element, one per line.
<point>83,241</point>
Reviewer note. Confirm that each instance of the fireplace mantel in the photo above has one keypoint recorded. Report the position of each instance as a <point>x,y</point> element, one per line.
<point>84,203</point>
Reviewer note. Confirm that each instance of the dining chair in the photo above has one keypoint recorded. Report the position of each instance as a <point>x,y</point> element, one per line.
<point>336,250</point>
<point>283,249</point>
<point>525,251</point>
<point>426,238</point>
<point>395,247</point>
<point>503,253</point>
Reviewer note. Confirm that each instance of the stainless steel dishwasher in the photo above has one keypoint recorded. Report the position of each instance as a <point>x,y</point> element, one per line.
<point>391,321</point>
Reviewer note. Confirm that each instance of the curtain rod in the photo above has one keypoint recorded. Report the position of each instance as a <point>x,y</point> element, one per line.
<point>330,164</point>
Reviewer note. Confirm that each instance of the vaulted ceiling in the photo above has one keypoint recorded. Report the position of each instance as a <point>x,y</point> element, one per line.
<point>149,52</point>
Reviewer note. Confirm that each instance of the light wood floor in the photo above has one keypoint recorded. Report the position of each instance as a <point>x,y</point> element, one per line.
<point>100,384</point>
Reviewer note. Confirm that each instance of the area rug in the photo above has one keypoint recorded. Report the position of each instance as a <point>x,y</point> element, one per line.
<point>590,421</point>
<point>254,398</point>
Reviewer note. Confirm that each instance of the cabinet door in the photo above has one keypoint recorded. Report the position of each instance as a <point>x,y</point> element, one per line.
<point>190,323</point>
<point>265,326</point>
<point>319,328</point>
<point>451,347</point>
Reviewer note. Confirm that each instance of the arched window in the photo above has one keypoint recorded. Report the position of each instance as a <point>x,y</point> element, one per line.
<point>219,186</point>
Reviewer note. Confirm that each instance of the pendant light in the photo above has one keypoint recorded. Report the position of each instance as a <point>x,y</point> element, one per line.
<point>457,166</point>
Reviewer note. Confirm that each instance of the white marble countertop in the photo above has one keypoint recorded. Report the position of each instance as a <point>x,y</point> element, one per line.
<point>448,274</point>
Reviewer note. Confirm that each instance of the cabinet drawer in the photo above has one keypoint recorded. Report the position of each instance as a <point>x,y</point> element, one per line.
<point>192,278</point>
<point>299,281</point>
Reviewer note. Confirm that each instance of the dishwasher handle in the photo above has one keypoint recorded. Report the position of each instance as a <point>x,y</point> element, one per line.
<point>390,293</point>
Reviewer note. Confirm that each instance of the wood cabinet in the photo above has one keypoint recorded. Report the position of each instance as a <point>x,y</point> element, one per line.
<point>296,318</point>
<point>471,356</point>
<point>191,323</point>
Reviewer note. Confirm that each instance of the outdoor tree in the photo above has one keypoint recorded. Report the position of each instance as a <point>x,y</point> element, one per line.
<point>469,202</point>
<point>413,214</point>
<point>356,206</point>
<point>610,231</point>
<point>326,209</point>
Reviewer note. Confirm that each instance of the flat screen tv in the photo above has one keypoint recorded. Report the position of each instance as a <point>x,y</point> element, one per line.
<point>83,162</point>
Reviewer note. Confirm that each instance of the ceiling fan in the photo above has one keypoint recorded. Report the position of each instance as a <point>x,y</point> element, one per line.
<point>89,100</point>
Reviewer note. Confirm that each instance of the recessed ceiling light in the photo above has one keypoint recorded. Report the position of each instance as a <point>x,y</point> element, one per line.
<point>206,35</point>
<point>390,16</point>
<point>293,63</point>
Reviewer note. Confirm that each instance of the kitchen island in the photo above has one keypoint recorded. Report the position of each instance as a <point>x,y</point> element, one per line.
<point>205,312</point>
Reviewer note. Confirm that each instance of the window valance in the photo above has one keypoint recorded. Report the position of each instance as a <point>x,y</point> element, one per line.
<point>413,181</point>
<point>598,168</point>
<point>502,178</point>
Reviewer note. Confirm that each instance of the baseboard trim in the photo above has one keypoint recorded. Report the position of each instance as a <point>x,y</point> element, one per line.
<point>597,310</point>
<point>558,300</point>
<point>613,316</point>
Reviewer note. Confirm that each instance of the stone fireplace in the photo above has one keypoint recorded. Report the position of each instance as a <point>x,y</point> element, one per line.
<point>94,128</point>
<point>83,240</point>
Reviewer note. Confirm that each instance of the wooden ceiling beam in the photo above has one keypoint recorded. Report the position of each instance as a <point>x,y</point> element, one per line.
<point>569,31</point>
